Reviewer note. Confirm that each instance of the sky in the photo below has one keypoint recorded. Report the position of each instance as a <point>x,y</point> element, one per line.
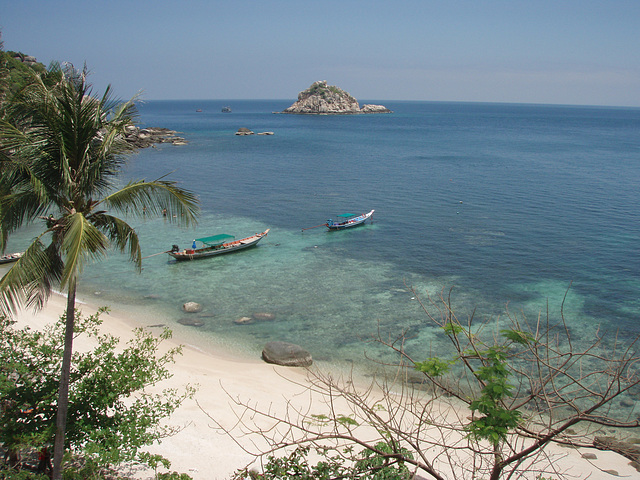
<point>574,52</point>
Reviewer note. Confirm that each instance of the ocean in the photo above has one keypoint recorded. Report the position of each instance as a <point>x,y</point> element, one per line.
<point>510,209</point>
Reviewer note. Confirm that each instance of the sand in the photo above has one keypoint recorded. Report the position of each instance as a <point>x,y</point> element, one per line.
<point>204,452</point>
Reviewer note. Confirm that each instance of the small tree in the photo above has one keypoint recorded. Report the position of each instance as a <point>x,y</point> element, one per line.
<point>112,415</point>
<point>489,410</point>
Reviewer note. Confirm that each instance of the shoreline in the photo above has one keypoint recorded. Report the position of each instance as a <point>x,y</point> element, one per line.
<point>205,453</point>
<point>197,447</point>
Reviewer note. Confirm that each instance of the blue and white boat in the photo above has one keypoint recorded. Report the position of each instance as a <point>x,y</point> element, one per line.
<point>348,220</point>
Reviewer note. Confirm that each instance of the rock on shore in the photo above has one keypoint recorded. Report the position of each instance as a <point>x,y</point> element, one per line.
<point>286,354</point>
<point>323,99</point>
<point>146,137</point>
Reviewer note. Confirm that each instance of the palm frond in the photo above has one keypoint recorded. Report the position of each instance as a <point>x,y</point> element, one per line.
<point>121,235</point>
<point>31,279</point>
<point>155,198</point>
<point>80,241</point>
<point>61,148</point>
<point>17,209</point>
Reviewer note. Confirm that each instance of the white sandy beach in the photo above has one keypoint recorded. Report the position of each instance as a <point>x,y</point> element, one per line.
<point>203,452</point>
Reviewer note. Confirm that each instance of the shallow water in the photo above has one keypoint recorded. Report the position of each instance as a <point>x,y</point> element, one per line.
<point>505,203</point>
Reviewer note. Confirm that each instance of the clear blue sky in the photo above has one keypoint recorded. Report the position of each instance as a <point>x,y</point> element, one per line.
<point>536,51</point>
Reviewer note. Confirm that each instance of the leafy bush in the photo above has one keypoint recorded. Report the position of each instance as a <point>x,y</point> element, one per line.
<point>378,464</point>
<point>111,413</point>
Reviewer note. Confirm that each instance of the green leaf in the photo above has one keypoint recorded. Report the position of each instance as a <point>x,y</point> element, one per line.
<point>516,336</point>
<point>451,328</point>
<point>433,367</point>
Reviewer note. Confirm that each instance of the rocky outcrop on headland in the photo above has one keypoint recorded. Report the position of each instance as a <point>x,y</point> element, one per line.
<point>28,59</point>
<point>146,137</point>
<point>138,137</point>
<point>323,99</point>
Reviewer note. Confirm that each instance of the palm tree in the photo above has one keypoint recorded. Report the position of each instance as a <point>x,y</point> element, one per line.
<point>61,149</point>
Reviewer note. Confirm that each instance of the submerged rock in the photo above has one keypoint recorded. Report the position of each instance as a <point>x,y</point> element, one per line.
<point>287,354</point>
<point>243,321</point>
<point>264,316</point>
<point>191,322</point>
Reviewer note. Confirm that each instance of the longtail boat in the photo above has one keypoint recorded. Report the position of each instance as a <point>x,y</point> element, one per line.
<point>348,220</point>
<point>10,257</point>
<point>216,245</point>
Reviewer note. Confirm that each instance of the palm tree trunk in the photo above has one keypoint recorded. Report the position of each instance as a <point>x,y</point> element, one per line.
<point>63,392</point>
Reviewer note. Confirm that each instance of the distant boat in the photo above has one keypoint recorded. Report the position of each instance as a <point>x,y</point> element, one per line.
<point>11,257</point>
<point>345,220</point>
<point>226,109</point>
<point>199,110</point>
<point>216,245</point>
<point>348,220</point>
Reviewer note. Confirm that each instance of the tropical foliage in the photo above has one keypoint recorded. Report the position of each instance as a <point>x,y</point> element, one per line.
<point>61,150</point>
<point>112,412</point>
<point>330,464</point>
<point>15,73</point>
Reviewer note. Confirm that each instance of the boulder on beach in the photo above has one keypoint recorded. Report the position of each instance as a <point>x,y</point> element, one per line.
<point>286,354</point>
<point>192,307</point>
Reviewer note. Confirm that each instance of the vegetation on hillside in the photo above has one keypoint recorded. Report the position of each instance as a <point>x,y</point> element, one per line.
<point>321,89</point>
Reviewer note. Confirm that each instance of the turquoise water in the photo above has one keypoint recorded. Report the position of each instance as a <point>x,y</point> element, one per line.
<point>505,203</point>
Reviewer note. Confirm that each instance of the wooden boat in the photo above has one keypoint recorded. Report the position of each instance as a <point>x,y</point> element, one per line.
<point>10,257</point>
<point>216,245</point>
<point>348,220</point>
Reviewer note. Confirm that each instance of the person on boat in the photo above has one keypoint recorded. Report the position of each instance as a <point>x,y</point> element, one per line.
<point>194,245</point>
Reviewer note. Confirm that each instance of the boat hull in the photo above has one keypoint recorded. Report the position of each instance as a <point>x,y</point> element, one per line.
<point>10,258</point>
<point>352,222</point>
<point>229,247</point>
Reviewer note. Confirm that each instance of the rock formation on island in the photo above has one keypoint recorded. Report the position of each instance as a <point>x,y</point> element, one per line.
<point>323,99</point>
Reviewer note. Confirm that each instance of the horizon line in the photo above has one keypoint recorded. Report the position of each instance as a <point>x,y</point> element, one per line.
<point>478,102</point>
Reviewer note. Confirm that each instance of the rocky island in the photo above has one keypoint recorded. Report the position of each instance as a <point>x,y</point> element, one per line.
<point>323,99</point>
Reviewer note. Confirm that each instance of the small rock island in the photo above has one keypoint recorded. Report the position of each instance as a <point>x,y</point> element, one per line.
<point>323,99</point>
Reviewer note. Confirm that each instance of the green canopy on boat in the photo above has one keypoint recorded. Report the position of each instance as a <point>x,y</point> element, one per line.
<point>215,239</point>
<point>347,215</point>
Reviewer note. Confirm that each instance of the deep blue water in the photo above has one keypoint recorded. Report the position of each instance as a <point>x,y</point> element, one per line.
<point>506,203</point>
